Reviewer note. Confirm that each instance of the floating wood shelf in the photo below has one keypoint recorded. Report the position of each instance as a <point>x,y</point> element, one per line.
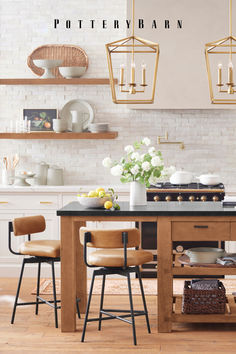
<point>52,135</point>
<point>79,81</point>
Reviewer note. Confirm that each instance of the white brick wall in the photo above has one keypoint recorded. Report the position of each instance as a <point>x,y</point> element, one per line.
<point>209,135</point>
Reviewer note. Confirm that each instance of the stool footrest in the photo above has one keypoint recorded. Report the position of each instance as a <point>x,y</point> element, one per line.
<point>40,302</point>
<point>120,317</point>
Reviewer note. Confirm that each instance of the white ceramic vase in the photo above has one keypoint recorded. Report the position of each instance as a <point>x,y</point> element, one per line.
<point>138,194</point>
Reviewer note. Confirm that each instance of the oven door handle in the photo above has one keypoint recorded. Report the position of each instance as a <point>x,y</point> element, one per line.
<point>200,226</point>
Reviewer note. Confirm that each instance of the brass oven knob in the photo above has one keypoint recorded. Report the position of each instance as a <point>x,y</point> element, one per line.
<point>168,198</point>
<point>179,249</point>
<point>156,198</point>
<point>191,198</point>
<point>215,198</point>
<point>180,198</point>
<point>203,198</point>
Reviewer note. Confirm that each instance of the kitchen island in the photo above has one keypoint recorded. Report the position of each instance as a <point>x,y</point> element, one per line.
<point>176,221</point>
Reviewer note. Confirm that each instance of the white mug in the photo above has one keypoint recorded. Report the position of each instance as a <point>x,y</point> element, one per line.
<point>59,125</point>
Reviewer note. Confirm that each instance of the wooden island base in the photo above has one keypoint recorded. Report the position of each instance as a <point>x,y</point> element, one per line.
<point>175,222</point>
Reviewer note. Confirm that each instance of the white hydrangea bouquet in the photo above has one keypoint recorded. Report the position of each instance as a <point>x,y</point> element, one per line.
<point>137,165</point>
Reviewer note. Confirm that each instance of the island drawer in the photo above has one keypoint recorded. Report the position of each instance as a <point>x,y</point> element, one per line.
<point>201,230</point>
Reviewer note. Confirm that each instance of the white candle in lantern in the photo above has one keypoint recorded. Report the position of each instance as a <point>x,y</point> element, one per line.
<point>122,70</point>
<point>132,73</point>
<point>230,73</point>
<point>219,74</point>
<point>144,66</point>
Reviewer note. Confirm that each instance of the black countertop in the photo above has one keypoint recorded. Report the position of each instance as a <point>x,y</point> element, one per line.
<point>152,209</point>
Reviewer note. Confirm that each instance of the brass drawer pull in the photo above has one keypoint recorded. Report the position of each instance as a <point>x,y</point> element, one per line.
<point>3,202</point>
<point>201,226</point>
<point>45,202</point>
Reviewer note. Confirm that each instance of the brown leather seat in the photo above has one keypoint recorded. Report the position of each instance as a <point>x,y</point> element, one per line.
<point>39,252</point>
<point>41,248</point>
<point>115,258</point>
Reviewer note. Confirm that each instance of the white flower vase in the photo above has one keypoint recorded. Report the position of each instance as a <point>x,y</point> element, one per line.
<point>138,194</point>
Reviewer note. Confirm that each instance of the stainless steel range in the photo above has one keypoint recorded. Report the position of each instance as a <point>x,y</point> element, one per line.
<point>167,192</point>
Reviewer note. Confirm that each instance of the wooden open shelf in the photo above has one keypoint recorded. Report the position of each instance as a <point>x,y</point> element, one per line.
<point>78,81</point>
<point>229,316</point>
<point>180,269</point>
<point>53,135</point>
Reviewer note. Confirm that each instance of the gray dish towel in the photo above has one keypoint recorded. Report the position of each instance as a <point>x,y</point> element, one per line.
<point>205,284</point>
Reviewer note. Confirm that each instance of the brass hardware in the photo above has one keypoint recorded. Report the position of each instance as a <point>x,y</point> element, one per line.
<point>166,137</point>
<point>180,198</point>
<point>203,198</point>
<point>224,46</point>
<point>3,202</point>
<point>156,198</point>
<point>215,198</point>
<point>135,46</point>
<point>168,198</point>
<point>46,203</point>
<point>191,198</point>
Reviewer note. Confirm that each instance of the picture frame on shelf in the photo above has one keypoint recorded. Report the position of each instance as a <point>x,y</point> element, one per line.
<point>41,120</point>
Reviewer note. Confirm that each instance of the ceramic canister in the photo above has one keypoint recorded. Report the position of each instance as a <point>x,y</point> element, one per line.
<point>55,176</point>
<point>41,173</point>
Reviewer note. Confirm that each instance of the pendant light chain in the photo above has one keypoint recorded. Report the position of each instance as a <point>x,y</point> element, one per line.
<point>230,28</point>
<point>133,4</point>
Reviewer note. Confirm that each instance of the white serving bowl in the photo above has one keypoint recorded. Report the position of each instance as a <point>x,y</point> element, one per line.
<point>89,202</point>
<point>70,72</point>
<point>98,127</point>
<point>47,64</point>
<point>204,254</point>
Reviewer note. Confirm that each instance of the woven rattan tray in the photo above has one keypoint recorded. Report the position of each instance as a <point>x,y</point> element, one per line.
<point>184,259</point>
<point>70,54</point>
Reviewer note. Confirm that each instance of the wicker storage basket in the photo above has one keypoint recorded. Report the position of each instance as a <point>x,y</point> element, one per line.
<point>203,301</point>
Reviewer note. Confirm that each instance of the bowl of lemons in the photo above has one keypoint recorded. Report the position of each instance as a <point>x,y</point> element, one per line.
<point>97,198</point>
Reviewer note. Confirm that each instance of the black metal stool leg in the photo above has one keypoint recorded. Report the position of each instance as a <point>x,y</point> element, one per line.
<point>54,294</point>
<point>88,306</point>
<point>77,307</point>
<point>38,285</point>
<point>131,309</point>
<point>101,302</point>
<point>17,292</point>
<point>143,297</point>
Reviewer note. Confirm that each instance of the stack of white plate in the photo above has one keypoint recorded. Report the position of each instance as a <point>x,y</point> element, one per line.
<point>98,127</point>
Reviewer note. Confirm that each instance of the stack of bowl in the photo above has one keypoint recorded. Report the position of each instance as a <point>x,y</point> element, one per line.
<point>98,127</point>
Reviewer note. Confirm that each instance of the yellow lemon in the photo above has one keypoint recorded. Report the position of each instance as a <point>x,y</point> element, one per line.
<point>84,195</point>
<point>101,194</point>
<point>92,194</point>
<point>108,205</point>
<point>100,189</point>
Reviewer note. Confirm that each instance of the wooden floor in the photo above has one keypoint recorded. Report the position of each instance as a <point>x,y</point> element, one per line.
<point>37,334</point>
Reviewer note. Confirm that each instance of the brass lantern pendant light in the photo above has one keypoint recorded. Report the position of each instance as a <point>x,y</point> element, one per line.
<point>142,82</point>
<point>223,50</point>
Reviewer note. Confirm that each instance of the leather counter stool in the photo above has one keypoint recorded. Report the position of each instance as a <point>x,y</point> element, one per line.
<point>114,258</point>
<point>38,251</point>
